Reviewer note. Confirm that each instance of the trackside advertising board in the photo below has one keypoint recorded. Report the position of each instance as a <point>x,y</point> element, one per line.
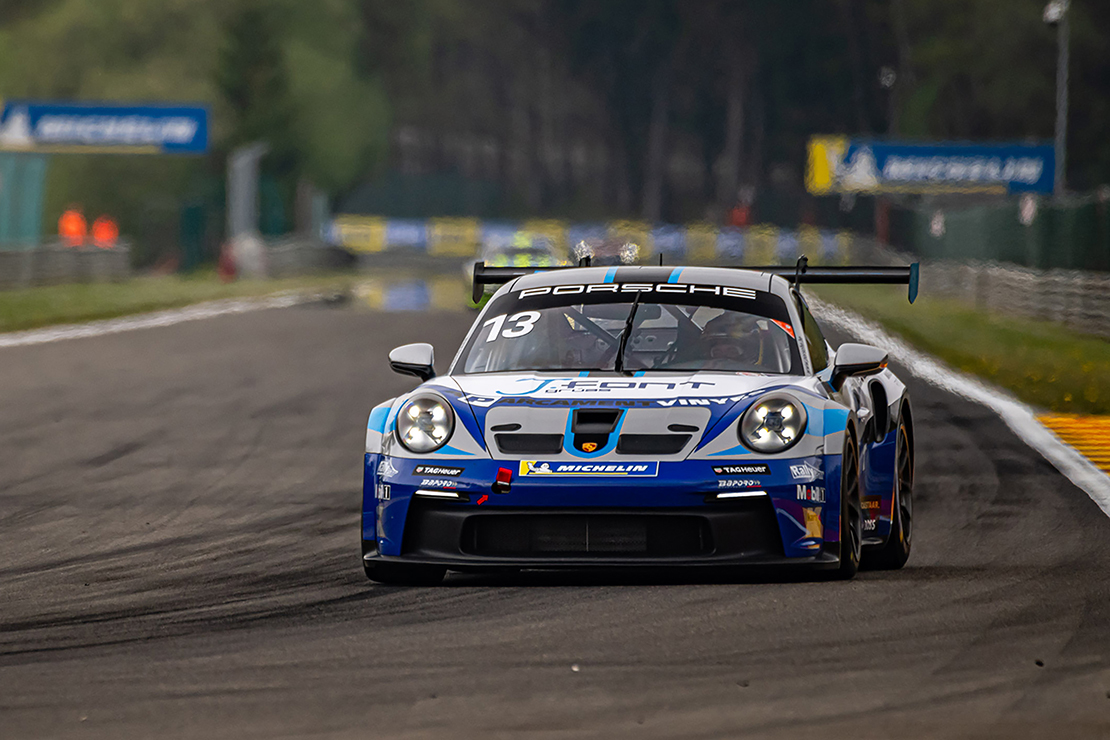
<point>838,164</point>
<point>42,126</point>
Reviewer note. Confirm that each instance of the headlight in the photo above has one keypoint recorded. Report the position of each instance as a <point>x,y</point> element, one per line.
<point>425,423</point>
<point>773,423</point>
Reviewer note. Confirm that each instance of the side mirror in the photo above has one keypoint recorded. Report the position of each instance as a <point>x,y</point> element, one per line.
<point>414,359</point>
<point>854,360</point>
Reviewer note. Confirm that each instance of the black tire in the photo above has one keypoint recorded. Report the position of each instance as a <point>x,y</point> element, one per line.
<point>894,554</point>
<point>851,513</point>
<point>404,574</point>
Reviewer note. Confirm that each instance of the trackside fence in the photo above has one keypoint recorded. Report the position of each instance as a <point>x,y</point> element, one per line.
<point>1080,300</point>
<point>1074,298</point>
<point>54,264</point>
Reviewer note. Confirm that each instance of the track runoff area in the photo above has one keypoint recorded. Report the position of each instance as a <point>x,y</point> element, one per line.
<point>180,499</point>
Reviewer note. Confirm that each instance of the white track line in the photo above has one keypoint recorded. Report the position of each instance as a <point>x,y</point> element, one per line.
<point>150,320</point>
<point>1019,417</point>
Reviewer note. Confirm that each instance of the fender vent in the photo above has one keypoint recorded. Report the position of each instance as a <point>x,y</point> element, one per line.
<point>529,444</point>
<point>651,444</point>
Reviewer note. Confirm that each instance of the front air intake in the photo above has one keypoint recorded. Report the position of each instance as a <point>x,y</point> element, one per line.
<point>595,421</point>
<point>529,444</point>
<point>579,535</point>
<point>651,444</point>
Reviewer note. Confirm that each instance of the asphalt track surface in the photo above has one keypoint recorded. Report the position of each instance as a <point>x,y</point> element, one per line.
<point>179,558</point>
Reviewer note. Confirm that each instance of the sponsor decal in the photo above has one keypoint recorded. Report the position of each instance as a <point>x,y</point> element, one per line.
<point>744,469</point>
<point>871,506</point>
<point>381,492</point>
<point>784,326</point>
<point>813,523</point>
<point>603,387</point>
<point>386,469</point>
<point>579,385</point>
<point>805,472</point>
<point>676,288</point>
<point>816,494</point>
<point>437,483</point>
<point>437,470</point>
<point>632,470</point>
<point>738,483</point>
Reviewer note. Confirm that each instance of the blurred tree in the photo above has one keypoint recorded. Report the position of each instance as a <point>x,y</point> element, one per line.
<point>253,80</point>
<point>986,69</point>
<point>648,107</point>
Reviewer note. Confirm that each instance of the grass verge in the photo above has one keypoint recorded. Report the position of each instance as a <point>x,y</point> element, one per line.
<point>1043,364</point>
<point>30,308</point>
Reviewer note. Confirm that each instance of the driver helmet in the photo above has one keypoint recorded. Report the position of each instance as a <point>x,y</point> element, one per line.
<point>732,336</point>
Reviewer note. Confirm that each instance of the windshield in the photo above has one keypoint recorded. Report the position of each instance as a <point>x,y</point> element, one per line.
<point>748,331</point>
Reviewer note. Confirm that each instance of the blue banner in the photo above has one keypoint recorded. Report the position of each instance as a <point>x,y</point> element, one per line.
<point>405,234</point>
<point>36,126</point>
<point>838,164</point>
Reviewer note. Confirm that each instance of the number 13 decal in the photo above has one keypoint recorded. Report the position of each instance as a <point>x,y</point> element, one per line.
<point>525,322</point>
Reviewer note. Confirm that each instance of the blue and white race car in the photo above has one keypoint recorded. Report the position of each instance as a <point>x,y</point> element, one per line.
<point>643,416</point>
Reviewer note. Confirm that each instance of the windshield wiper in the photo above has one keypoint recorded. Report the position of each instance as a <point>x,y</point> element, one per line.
<point>618,363</point>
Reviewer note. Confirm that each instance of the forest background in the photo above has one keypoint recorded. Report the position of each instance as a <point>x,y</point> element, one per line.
<point>655,109</point>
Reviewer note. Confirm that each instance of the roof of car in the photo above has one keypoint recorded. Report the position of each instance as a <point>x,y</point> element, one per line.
<point>729,276</point>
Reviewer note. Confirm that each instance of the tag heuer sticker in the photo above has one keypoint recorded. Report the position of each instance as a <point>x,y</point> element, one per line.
<point>438,470</point>
<point>743,469</point>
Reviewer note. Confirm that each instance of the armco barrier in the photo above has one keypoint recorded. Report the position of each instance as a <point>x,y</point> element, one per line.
<point>1080,300</point>
<point>53,264</point>
<point>296,256</point>
<point>1073,298</point>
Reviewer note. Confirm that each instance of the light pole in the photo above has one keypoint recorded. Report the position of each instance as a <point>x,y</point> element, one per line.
<point>1056,14</point>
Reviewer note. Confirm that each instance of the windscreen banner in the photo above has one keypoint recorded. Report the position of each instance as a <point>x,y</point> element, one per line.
<point>120,128</point>
<point>838,164</point>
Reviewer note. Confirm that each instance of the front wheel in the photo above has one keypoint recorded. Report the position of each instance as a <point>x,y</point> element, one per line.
<point>404,574</point>
<point>894,554</point>
<point>851,513</point>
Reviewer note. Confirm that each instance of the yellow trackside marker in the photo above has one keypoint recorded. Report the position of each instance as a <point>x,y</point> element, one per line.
<point>1090,435</point>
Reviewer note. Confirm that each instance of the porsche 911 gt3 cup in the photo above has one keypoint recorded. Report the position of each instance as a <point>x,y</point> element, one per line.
<point>642,416</point>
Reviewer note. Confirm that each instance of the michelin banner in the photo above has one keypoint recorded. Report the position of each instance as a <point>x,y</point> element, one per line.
<point>38,126</point>
<point>838,164</point>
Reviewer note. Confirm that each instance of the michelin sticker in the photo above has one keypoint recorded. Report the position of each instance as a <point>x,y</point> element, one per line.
<point>632,470</point>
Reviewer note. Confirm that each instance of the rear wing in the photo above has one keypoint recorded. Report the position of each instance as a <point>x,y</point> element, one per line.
<point>797,274</point>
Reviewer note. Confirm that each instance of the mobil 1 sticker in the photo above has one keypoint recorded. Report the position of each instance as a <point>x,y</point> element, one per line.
<point>437,470</point>
<point>743,469</point>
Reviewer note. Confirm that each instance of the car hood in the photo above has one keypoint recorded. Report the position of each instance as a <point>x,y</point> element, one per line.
<point>508,412</point>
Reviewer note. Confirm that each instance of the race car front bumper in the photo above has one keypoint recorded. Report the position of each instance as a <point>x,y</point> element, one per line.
<point>742,532</point>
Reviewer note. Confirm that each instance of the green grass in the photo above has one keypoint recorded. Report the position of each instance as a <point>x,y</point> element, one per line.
<point>1044,364</point>
<point>30,308</point>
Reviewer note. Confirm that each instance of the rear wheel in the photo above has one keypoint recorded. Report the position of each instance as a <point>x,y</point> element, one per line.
<point>851,513</point>
<point>404,574</point>
<point>894,554</point>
